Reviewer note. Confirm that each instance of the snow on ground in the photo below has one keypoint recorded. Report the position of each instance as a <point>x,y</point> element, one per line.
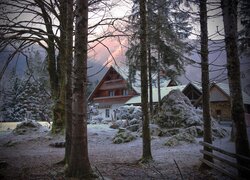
<point>29,156</point>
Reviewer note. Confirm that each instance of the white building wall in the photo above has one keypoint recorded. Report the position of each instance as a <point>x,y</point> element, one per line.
<point>102,112</point>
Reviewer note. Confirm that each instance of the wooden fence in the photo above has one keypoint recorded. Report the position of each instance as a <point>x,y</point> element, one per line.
<point>224,160</point>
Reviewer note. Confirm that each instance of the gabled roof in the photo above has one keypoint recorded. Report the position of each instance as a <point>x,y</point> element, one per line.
<point>196,85</point>
<point>104,76</point>
<point>124,72</point>
<point>225,88</point>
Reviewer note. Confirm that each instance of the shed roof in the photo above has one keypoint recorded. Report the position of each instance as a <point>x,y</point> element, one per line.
<point>164,91</point>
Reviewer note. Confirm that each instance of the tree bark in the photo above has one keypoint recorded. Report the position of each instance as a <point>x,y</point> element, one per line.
<point>159,78</point>
<point>79,165</point>
<point>149,5</point>
<point>150,82</point>
<point>68,98</point>
<point>58,108</point>
<point>146,156</point>
<point>205,78</point>
<point>229,11</point>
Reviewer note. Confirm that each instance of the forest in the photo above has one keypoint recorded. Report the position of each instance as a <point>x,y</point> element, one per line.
<point>58,41</point>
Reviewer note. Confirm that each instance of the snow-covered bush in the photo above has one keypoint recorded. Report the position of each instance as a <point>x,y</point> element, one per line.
<point>93,110</point>
<point>181,121</point>
<point>123,136</point>
<point>129,112</point>
<point>180,138</point>
<point>129,117</point>
<point>177,111</point>
<point>29,126</point>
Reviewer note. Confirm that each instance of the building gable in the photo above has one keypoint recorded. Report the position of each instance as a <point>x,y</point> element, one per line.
<point>193,92</point>
<point>217,95</point>
<point>112,89</point>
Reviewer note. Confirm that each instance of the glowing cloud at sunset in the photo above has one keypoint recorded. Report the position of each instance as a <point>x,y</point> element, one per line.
<point>118,53</point>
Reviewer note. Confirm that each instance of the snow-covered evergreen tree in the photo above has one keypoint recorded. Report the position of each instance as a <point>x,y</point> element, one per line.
<point>27,97</point>
<point>9,92</point>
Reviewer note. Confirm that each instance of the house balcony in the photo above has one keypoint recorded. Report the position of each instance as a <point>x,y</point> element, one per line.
<point>113,99</point>
<point>113,84</point>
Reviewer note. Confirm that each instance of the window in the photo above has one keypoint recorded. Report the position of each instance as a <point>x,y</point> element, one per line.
<point>218,112</point>
<point>111,93</point>
<point>124,92</point>
<point>107,113</point>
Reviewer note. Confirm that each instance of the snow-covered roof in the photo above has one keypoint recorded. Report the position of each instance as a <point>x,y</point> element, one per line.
<point>196,85</point>
<point>124,72</point>
<point>164,91</point>
<point>225,88</point>
<point>136,85</point>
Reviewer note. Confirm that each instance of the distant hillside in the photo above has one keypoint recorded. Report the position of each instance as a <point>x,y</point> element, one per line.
<point>217,67</point>
<point>217,59</point>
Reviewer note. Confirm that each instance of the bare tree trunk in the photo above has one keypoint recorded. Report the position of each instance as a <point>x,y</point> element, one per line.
<point>205,78</point>
<point>52,69</point>
<point>79,165</point>
<point>59,107</point>
<point>146,156</point>
<point>149,5</point>
<point>69,62</point>
<point>229,10</point>
<point>159,80</point>
<point>150,82</point>
<point>159,24</point>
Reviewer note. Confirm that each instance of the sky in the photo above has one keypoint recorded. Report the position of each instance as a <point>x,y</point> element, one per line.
<point>111,48</point>
<point>117,49</point>
<point>124,9</point>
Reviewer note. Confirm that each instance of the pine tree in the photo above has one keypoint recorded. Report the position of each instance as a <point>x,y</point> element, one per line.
<point>146,156</point>
<point>205,78</point>
<point>229,11</point>
<point>28,95</point>
<point>9,93</point>
<point>244,15</point>
<point>166,29</point>
<point>79,165</point>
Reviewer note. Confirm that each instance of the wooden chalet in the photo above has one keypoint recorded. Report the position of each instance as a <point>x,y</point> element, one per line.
<point>220,102</point>
<point>111,92</point>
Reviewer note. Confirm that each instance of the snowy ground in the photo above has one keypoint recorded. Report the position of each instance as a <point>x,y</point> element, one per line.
<point>30,157</point>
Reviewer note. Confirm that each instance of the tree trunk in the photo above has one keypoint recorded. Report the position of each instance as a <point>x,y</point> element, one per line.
<point>149,5</point>
<point>69,62</point>
<point>79,165</point>
<point>159,79</point>
<point>205,78</point>
<point>53,70</point>
<point>159,24</point>
<point>229,11</point>
<point>59,107</point>
<point>146,156</point>
<point>150,82</point>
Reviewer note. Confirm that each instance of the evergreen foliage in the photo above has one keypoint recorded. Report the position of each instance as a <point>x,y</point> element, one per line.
<point>244,33</point>
<point>167,29</point>
<point>28,96</point>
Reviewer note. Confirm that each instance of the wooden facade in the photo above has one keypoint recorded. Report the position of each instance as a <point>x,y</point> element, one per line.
<point>220,102</point>
<point>112,91</point>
